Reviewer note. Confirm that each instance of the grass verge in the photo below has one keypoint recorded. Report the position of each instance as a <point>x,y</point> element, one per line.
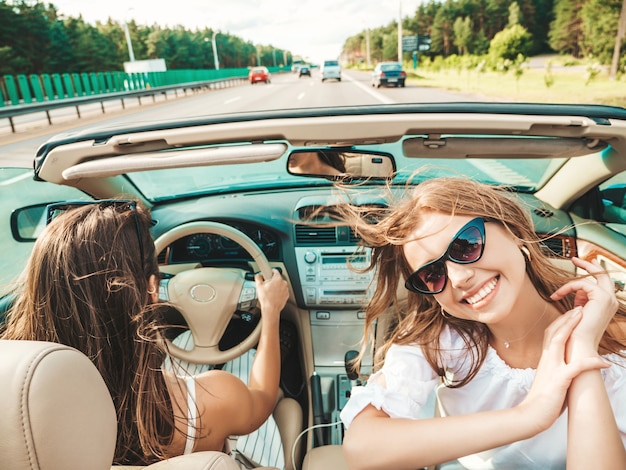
<point>568,85</point>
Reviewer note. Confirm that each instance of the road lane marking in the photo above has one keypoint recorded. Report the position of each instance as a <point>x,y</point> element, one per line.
<point>499,171</point>
<point>379,96</point>
<point>232,100</point>
<point>15,179</point>
<point>301,95</point>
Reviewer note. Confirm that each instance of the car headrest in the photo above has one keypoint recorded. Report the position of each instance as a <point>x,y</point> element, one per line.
<point>58,414</point>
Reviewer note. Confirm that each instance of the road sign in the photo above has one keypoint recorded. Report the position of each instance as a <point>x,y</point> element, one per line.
<point>409,43</point>
<point>415,43</point>
<point>423,43</point>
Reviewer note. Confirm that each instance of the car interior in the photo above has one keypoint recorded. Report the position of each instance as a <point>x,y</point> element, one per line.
<point>232,196</point>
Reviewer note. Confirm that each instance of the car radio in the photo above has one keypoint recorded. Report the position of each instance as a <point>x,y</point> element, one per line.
<point>329,276</point>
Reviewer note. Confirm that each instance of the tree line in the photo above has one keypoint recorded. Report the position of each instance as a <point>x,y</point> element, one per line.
<point>35,39</point>
<point>580,28</point>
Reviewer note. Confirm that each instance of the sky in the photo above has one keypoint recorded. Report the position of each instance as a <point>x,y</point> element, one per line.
<point>314,29</point>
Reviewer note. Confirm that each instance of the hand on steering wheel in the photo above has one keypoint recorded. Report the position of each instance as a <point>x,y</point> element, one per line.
<point>208,297</point>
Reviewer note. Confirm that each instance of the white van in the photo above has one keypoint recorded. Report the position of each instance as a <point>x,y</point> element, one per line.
<point>331,69</point>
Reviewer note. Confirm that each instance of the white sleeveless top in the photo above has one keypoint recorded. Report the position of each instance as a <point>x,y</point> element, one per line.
<point>410,383</point>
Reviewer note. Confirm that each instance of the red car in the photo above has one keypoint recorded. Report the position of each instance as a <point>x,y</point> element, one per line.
<point>259,74</point>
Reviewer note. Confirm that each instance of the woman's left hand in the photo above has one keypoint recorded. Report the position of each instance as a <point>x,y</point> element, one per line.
<point>597,299</point>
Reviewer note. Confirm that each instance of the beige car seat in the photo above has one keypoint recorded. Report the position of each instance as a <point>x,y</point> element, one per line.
<point>58,414</point>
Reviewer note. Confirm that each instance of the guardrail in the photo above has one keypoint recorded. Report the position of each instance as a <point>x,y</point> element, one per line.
<point>20,95</point>
<point>9,112</point>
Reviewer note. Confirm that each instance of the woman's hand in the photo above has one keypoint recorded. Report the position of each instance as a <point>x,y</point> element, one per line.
<point>272,293</point>
<point>598,302</point>
<point>545,400</point>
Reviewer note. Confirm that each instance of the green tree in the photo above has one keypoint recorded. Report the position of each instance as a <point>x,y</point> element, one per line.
<point>599,25</point>
<point>510,43</point>
<point>463,34</point>
<point>515,14</point>
<point>566,33</point>
<point>442,37</point>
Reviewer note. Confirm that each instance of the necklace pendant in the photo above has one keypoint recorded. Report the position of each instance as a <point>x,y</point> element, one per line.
<point>507,344</point>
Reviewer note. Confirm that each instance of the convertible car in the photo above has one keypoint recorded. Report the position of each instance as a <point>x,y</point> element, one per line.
<point>248,192</point>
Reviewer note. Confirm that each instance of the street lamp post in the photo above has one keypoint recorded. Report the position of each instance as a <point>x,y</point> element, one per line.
<point>131,54</point>
<point>129,43</point>
<point>216,59</point>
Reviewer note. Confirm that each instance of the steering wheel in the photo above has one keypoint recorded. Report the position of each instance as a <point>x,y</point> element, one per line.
<point>208,297</point>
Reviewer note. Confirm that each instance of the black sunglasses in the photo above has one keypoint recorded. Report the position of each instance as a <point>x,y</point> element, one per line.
<point>466,247</point>
<point>120,205</point>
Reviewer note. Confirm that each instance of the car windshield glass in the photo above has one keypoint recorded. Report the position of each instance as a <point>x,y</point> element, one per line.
<point>391,67</point>
<point>525,175</point>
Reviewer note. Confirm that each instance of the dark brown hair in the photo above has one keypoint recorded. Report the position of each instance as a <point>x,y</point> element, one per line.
<point>86,286</point>
<point>419,320</point>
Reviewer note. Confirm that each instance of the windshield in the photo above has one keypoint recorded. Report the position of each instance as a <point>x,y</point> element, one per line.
<point>390,67</point>
<point>525,175</point>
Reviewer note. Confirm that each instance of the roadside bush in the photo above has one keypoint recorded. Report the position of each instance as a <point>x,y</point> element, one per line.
<point>509,43</point>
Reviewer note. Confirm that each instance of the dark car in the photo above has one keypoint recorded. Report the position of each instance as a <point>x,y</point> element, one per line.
<point>259,74</point>
<point>388,73</point>
<point>304,70</point>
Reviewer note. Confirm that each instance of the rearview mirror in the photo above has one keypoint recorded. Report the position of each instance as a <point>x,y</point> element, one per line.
<point>27,223</point>
<point>336,164</point>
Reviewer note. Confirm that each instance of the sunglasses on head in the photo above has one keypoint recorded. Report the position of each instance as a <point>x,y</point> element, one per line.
<point>120,205</point>
<point>466,247</point>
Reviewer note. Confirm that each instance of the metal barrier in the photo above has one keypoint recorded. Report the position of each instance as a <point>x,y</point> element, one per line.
<point>20,95</point>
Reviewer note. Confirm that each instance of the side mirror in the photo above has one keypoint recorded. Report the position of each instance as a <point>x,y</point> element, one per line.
<point>28,222</point>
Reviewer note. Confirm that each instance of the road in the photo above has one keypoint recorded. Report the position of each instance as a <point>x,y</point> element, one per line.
<point>286,91</point>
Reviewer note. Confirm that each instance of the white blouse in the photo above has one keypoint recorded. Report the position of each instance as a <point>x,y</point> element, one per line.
<point>410,382</point>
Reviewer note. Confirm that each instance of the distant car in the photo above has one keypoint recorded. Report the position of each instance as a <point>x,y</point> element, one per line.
<point>331,69</point>
<point>259,74</point>
<point>388,73</point>
<point>304,70</point>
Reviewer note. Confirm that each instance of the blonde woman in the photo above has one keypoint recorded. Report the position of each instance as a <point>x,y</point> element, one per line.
<point>527,363</point>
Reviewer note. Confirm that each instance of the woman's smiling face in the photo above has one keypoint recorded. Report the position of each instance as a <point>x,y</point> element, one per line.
<point>483,290</point>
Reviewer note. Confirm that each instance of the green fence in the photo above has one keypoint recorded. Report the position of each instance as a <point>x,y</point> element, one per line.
<point>23,90</point>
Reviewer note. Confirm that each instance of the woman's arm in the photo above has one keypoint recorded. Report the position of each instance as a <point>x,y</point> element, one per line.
<point>594,440</point>
<point>374,440</point>
<point>265,372</point>
<point>227,405</point>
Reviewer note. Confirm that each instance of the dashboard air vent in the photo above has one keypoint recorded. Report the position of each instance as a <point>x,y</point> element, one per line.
<point>306,234</point>
<point>354,238</point>
<point>559,247</point>
<point>162,257</point>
